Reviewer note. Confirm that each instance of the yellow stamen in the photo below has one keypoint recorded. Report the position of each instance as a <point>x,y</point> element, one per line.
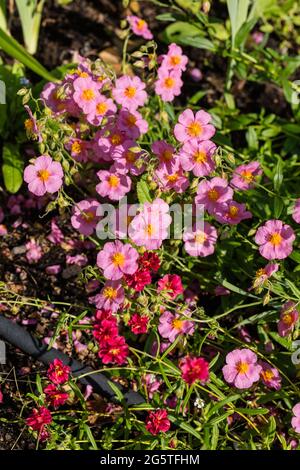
<point>194,129</point>
<point>88,94</point>
<point>242,367</point>
<point>101,108</point>
<point>28,124</point>
<point>213,195</point>
<point>200,157</point>
<point>88,216</point>
<point>109,293</point>
<point>200,237</point>
<point>118,259</point>
<point>275,239</point>
<point>175,60</point>
<point>44,175</point>
<point>113,181</point>
<point>166,155</point>
<point>173,178</point>
<point>116,139</point>
<point>233,211</point>
<point>177,324</point>
<point>247,176</point>
<point>76,147</point>
<point>130,92</point>
<point>169,82</point>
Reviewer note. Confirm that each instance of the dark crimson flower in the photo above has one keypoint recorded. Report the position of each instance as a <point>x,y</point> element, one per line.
<point>194,368</point>
<point>171,284</point>
<point>58,373</point>
<point>55,397</point>
<point>139,280</point>
<point>114,351</point>
<point>157,421</point>
<point>138,323</point>
<point>149,260</point>
<point>38,419</point>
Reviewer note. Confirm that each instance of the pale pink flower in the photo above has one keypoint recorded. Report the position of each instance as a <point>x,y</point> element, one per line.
<point>244,176</point>
<point>85,217</point>
<point>111,297</point>
<point>212,193</point>
<point>128,159</point>
<point>296,418</point>
<point>139,27</point>
<point>117,259</point>
<point>265,273</point>
<point>241,369</point>
<point>86,94</point>
<point>174,59</point>
<point>107,140</point>
<point>150,227</point>
<point>171,325</point>
<point>232,213</point>
<point>102,107</point>
<point>200,242</point>
<point>164,151</point>
<point>168,84</point>
<point>275,239</point>
<point>56,236</point>
<point>296,212</point>
<point>289,316</point>
<point>79,149</point>
<point>194,127</point>
<point>113,185</point>
<point>130,92</point>
<point>171,177</point>
<point>77,260</point>
<point>171,284</point>
<point>44,176</point>
<point>198,157</point>
<point>270,376</point>
<point>34,252</point>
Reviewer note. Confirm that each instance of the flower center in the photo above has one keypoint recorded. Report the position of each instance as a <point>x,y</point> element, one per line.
<point>200,237</point>
<point>101,108</point>
<point>267,375</point>
<point>82,74</point>
<point>194,129</point>
<point>247,176</point>
<point>110,293</point>
<point>114,351</point>
<point>213,195</point>
<point>149,230</point>
<point>131,120</point>
<point>116,139</point>
<point>130,156</point>
<point>140,24</point>
<point>177,324</point>
<point>242,367</point>
<point>118,259</point>
<point>200,157</point>
<point>88,216</point>
<point>173,178</point>
<point>76,147</point>
<point>130,92</point>
<point>88,94</point>
<point>167,155</point>
<point>275,239</point>
<point>28,124</point>
<point>288,319</point>
<point>233,211</point>
<point>169,82</point>
<point>175,60</point>
<point>43,175</point>
<point>113,181</point>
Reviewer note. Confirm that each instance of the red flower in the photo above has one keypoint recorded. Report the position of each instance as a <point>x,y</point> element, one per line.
<point>54,396</point>
<point>1,397</point>
<point>139,280</point>
<point>171,283</point>
<point>149,260</point>
<point>138,323</point>
<point>39,418</point>
<point>194,368</point>
<point>114,351</point>
<point>157,421</point>
<point>58,373</point>
<point>105,329</point>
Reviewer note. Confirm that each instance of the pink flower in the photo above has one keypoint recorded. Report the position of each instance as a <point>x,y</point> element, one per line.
<point>58,373</point>
<point>171,284</point>
<point>244,176</point>
<point>152,384</point>
<point>34,252</point>
<point>289,316</point>
<point>85,217</point>
<point>111,296</point>
<point>139,280</point>
<point>221,290</point>
<point>192,127</point>
<point>171,177</point>
<point>265,273</point>
<point>296,418</point>
<point>117,259</point>
<point>129,92</point>
<point>56,236</point>
<point>102,107</point>
<point>38,421</point>
<point>108,140</point>
<point>112,185</point>
<point>212,193</point>
<point>194,368</point>
<point>231,213</point>
<point>270,376</point>
<point>241,368</point>
<point>157,421</point>
<point>78,260</point>
<point>139,27</point>
<point>128,159</point>
<point>54,396</point>
<point>171,325</point>
<point>79,149</point>
<point>174,59</point>
<point>86,94</point>
<point>257,37</point>
<point>132,123</point>
<point>150,227</point>
<point>275,239</point>
<point>165,152</point>
<point>168,84</point>
<point>296,212</point>
<point>200,242</point>
<point>197,156</point>
<point>44,175</point>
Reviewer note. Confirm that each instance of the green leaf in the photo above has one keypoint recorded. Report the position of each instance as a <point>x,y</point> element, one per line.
<point>221,403</point>
<point>278,175</point>
<point>244,31</point>
<point>185,33</point>
<point>30,13</point>
<point>90,436</point>
<point>143,192</point>
<point>116,390</point>
<point>278,207</point>
<point>15,50</point>
<point>185,426</point>
<point>12,167</point>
